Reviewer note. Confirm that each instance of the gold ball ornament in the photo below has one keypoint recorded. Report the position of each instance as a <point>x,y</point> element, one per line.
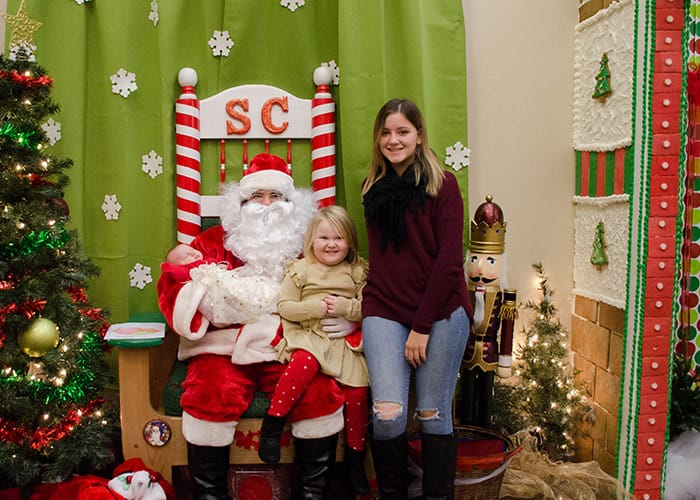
<point>41,336</point>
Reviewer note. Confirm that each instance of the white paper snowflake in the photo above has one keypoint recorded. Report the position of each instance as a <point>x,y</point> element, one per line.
<point>26,48</point>
<point>220,43</point>
<point>457,156</point>
<point>292,4</point>
<point>152,164</point>
<point>111,207</point>
<point>140,276</point>
<point>123,83</point>
<point>52,129</point>
<point>153,14</point>
<point>334,69</point>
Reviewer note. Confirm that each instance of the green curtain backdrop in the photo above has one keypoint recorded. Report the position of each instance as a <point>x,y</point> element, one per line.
<point>383,49</point>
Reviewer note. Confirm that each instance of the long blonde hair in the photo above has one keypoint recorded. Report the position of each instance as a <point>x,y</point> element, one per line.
<point>426,163</point>
<point>341,221</point>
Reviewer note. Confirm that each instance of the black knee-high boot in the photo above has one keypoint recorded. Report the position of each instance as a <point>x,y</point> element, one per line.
<point>314,459</point>
<point>208,467</point>
<point>439,457</point>
<point>354,462</point>
<point>390,459</point>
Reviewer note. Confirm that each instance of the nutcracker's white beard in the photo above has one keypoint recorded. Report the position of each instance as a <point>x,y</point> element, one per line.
<point>478,309</point>
<point>267,238</point>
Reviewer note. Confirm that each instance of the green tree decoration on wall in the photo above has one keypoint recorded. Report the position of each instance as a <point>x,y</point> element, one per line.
<point>599,257</point>
<point>602,79</point>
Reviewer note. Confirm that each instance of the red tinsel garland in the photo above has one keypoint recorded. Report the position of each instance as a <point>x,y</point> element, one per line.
<point>95,313</point>
<point>28,309</point>
<point>28,81</point>
<point>14,433</point>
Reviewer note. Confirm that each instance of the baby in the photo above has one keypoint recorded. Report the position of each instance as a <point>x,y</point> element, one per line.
<point>233,295</point>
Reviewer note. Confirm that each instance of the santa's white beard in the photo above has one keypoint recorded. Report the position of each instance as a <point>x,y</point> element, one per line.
<point>478,309</point>
<point>267,238</point>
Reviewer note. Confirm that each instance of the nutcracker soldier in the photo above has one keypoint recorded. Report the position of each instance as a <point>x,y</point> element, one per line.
<point>495,312</point>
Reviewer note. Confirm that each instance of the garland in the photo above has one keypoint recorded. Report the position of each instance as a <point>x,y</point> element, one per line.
<point>28,309</point>
<point>21,138</point>
<point>12,432</point>
<point>26,80</point>
<point>34,241</point>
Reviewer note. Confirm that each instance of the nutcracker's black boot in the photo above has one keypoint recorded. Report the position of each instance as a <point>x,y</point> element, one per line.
<point>439,457</point>
<point>270,436</point>
<point>354,462</point>
<point>314,459</point>
<point>208,467</point>
<point>390,458</point>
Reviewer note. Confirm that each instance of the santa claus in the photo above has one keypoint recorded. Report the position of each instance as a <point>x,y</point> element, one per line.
<point>262,226</point>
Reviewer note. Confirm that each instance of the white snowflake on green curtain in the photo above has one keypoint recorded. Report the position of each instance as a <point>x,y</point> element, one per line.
<point>52,128</point>
<point>23,48</point>
<point>153,13</point>
<point>335,70</point>
<point>140,276</point>
<point>457,156</point>
<point>123,83</point>
<point>111,207</point>
<point>292,4</point>
<point>152,164</point>
<point>220,43</point>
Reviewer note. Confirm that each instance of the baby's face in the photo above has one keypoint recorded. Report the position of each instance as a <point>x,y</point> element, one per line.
<point>184,254</point>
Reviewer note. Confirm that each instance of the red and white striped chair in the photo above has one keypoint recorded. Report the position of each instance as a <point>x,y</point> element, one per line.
<point>260,113</point>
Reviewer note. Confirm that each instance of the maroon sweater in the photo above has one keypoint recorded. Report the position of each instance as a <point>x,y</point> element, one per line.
<point>424,281</point>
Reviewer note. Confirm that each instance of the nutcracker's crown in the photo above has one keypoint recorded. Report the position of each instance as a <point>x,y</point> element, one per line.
<point>488,229</point>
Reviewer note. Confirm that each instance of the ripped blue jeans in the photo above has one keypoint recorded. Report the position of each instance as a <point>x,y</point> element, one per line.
<point>435,380</point>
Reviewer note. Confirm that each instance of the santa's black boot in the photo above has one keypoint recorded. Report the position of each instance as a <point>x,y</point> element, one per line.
<point>314,459</point>
<point>439,458</point>
<point>208,467</point>
<point>270,436</point>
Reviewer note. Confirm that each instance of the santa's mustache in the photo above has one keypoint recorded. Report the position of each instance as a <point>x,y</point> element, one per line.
<point>481,279</point>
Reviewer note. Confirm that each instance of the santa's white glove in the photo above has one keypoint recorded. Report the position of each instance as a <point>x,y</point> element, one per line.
<point>337,327</point>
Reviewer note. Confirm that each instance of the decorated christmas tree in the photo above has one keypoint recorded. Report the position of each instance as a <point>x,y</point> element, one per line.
<point>546,398</point>
<point>54,421</point>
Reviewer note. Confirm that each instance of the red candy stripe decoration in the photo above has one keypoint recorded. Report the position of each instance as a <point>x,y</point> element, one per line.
<point>323,139</point>
<point>187,158</point>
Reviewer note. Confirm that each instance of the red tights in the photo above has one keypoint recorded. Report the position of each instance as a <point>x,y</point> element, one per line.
<point>301,369</point>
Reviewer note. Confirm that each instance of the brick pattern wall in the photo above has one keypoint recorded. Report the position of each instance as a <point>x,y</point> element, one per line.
<point>596,341</point>
<point>587,8</point>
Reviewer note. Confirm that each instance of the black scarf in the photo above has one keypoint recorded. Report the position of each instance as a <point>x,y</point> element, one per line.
<point>389,199</point>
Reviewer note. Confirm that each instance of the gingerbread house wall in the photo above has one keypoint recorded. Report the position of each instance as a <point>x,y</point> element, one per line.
<point>597,343</point>
<point>597,330</point>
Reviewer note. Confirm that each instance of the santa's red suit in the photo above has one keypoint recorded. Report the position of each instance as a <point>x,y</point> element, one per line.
<point>227,363</point>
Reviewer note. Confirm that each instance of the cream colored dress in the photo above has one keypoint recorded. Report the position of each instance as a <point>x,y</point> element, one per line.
<point>303,287</point>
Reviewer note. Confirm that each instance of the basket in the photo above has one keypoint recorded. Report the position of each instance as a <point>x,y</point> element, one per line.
<point>482,459</point>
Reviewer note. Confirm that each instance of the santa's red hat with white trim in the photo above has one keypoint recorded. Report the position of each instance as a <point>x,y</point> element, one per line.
<point>268,172</point>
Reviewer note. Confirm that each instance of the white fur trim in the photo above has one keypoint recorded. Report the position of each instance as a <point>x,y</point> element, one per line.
<point>254,342</point>
<point>505,360</point>
<point>205,433</point>
<point>272,180</point>
<point>184,310</point>
<point>136,486</point>
<point>314,428</point>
